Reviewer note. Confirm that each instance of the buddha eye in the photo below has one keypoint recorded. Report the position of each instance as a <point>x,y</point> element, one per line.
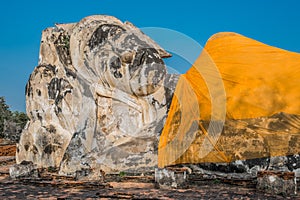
<point>128,57</point>
<point>115,66</point>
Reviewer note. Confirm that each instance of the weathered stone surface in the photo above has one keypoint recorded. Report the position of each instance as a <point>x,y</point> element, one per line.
<point>276,182</point>
<point>167,178</point>
<point>23,170</point>
<point>246,169</point>
<point>97,99</point>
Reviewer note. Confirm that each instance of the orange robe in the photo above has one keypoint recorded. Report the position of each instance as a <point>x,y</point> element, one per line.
<point>234,78</point>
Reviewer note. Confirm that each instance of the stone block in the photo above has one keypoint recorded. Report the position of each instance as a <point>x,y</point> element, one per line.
<point>23,170</point>
<point>277,182</point>
<point>167,178</point>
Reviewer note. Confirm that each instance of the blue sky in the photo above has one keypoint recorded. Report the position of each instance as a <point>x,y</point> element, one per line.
<point>274,22</point>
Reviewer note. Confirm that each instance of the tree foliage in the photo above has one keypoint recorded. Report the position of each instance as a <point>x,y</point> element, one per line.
<point>5,114</point>
<point>11,123</point>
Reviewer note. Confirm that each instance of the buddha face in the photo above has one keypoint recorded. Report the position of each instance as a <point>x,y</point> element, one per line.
<point>125,60</point>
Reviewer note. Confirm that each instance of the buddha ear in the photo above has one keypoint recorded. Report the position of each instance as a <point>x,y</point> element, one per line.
<point>163,53</point>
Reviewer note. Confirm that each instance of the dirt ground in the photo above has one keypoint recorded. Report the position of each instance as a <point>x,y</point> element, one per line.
<point>127,188</point>
<point>7,150</point>
<point>208,190</point>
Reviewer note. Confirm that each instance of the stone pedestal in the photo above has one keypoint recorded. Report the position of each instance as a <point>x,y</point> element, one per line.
<point>167,178</point>
<point>276,182</point>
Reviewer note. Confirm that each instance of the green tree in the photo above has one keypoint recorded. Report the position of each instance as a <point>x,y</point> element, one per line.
<point>19,118</point>
<point>11,123</point>
<point>5,114</point>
